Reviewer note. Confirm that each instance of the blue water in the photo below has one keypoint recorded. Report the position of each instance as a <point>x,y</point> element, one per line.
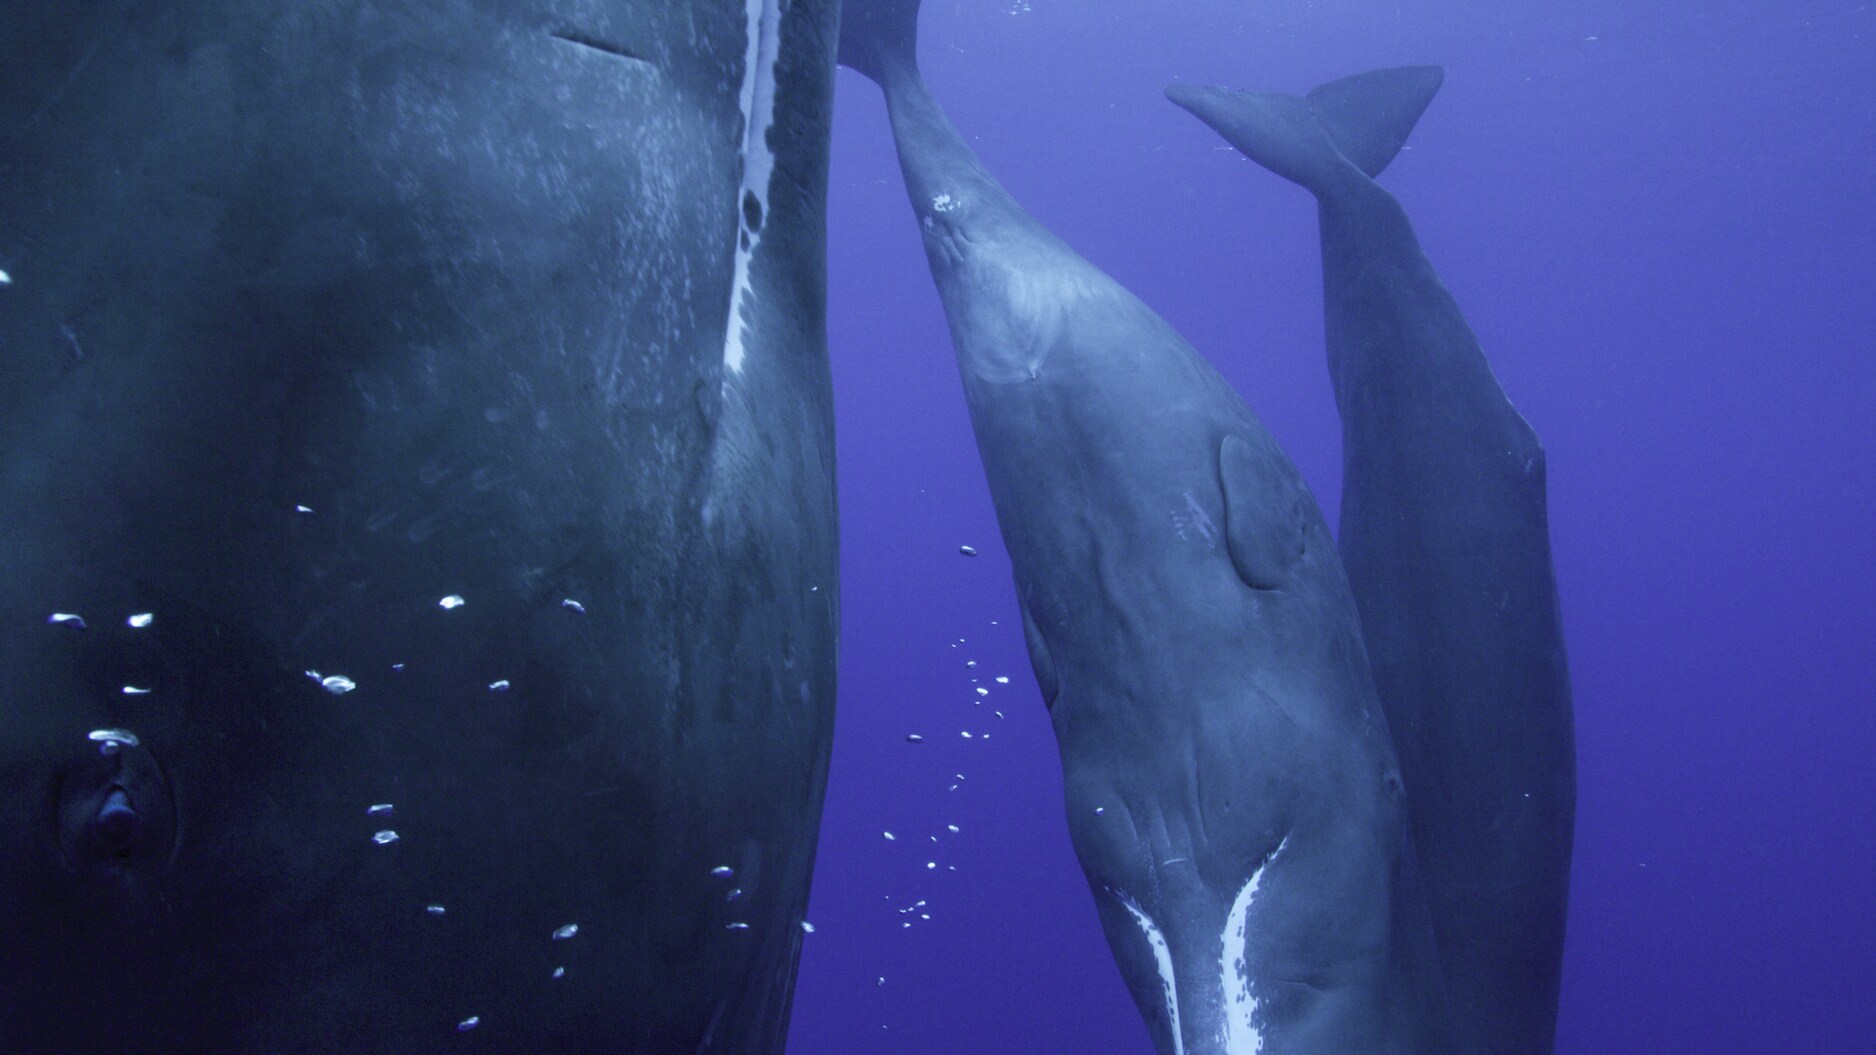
<point>1660,218</point>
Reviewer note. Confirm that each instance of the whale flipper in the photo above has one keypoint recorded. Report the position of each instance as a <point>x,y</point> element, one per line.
<point>1265,540</point>
<point>1362,121</point>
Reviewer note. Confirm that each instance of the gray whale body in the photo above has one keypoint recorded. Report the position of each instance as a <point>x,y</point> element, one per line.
<point>1445,535</point>
<point>1231,786</point>
<point>321,314</point>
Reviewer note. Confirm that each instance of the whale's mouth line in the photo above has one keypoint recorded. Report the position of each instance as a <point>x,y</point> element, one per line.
<point>584,40</point>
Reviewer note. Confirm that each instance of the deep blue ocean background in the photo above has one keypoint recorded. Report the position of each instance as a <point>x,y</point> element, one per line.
<point>1660,218</point>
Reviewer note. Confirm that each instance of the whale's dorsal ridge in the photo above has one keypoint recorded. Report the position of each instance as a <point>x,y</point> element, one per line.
<point>1265,537</point>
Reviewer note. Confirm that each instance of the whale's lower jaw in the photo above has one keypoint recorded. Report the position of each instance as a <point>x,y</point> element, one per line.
<point>1162,958</point>
<point>1239,1031</point>
<point>1243,1036</point>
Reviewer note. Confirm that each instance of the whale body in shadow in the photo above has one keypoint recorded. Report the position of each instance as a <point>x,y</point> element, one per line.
<point>417,586</point>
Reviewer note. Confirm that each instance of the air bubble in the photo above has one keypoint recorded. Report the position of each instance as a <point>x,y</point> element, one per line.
<point>141,620</point>
<point>568,931</point>
<point>378,810</point>
<point>385,837</point>
<point>337,684</point>
<point>76,622</point>
<point>573,604</point>
<point>499,686</point>
<point>723,871</point>
<point>452,601</point>
<point>112,741</point>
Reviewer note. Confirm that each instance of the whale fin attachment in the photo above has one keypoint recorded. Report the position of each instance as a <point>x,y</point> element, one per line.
<point>1039,658</point>
<point>875,34</point>
<point>1264,526</point>
<point>1362,121</point>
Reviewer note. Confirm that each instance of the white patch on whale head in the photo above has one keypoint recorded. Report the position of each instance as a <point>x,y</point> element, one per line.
<point>1162,957</point>
<point>1242,1035</point>
<point>764,29</point>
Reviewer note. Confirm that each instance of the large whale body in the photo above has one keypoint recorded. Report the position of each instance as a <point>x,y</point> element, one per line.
<point>1231,790</point>
<point>417,589</point>
<point>1445,535</point>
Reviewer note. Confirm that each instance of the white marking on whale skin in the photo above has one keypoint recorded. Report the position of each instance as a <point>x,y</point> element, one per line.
<point>1194,518</point>
<point>1162,956</point>
<point>1242,1035</point>
<point>758,104</point>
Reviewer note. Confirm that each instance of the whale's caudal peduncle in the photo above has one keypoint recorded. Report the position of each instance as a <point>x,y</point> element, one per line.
<point>764,30</point>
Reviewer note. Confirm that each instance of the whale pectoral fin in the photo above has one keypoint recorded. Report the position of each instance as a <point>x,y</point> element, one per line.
<point>1264,517</point>
<point>1039,658</point>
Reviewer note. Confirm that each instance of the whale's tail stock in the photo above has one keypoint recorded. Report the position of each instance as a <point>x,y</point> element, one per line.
<point>1363,120</point>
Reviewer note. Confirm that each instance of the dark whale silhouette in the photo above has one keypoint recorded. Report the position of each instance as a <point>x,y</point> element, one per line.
<point>423,408</point>
<point>1445,535</point>
<point>1231,788</point>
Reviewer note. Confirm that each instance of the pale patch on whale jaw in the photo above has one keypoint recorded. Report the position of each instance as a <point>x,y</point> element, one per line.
<point>764,29</point>
<point>1243,1036</point>
<point>1162,957</point>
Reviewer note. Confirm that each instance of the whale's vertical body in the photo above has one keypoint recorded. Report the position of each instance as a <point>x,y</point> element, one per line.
<point>424,407</point>
<point>1231,790</point>
<point>1445,536</point>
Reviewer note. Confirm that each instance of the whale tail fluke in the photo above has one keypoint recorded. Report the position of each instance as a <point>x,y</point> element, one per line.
<point>876,35</point>
<point>1362,120</point>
